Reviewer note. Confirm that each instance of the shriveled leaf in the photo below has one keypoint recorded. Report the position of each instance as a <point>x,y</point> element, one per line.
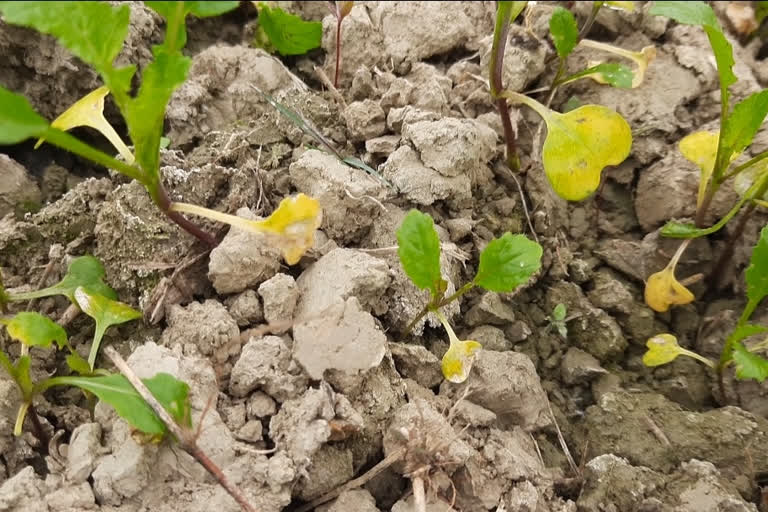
<point>457,361</point>
<point>741,332</point>
<point>662,349</point>
<point>743,123</point>
<point>564,31</point>
<point>120,394</point>
<point>701,149</point>
<point>508,262</point>
<point>688,13</point>
<point>289,34</point>
<point>749,365</point>
<point>756,275</point>
<point>18,120</point>
<point>642,59</point>
<point>663,290</point>
<point>35,330</point>
<point>579,145</point>
<point>293,225</point>
<point>419,251</point>
<point>93,31</point>
<point>106,312</point>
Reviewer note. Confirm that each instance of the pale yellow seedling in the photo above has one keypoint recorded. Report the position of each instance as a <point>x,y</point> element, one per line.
<point>663,349</point>
<point>457,361</point>
<point>663,290</point>
<point>291,227</point>
<point>89,111</point>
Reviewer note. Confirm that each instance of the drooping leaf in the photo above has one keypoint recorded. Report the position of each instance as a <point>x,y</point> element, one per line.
<point>508,262</point>
<point>120,394</point>
<point>106,312</point>
<point>18,120</point>
<point>579,145</point>
<point>35,330</point>
<point>289,34</point>
<point>93,31</point>
<point>663,290</point>
<point>419,251</point>
<point>756,275</point>
<point>688,13</point>
<point>642,59</point>
<point>564,31</point>
<point>457,361</point>
<point>742,331</point>
<point>700,148</point>
<point>742,124</point>
<point>749,365</point>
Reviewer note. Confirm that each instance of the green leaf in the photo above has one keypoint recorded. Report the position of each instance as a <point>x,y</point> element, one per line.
<point>208,9</point>
<point>749,365</point>
<point>419,251</point>
<point>688,13</point>
<point>93,31</point>
<point>614,74</point>
<point>559,312</point>
<point>564,31</point>
<point>105,312</point>
<point>742,124</point>
<point>35,330</point>
<point>508,262</point>
<point>18,120</point>
<point>115,390</point>
<point>77,364</point>
<point>288,33</point>
<point>756,275</point>
<point>19,372</point>
<point>85,271</point>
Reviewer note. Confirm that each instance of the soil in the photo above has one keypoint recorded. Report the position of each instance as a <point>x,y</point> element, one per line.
<point>312,378</point>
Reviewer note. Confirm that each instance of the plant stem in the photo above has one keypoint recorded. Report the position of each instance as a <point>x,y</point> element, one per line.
<point>590,20</point>
<point>746,165</point>
<point>339,19</point>
<point>39,430</point>
<point>166,205</point>
<point>434,308</point>
<point>540,109</point>
<point>185,437</point>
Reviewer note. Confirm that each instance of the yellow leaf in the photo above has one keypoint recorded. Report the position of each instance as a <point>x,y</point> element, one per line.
<point>579,145</point>
<point>700,148</point>
<point>457,361</point>
<point>662,349</point>
<point>642,59</point>
<point>627,6</point>
<point>89,111</point>
<point>662,291</point>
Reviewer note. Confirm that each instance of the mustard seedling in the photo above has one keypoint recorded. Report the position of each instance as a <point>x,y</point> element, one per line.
<point>285,33</point>
<point>505,264</point>
<point>340,10</point>
<point>663,348</point>
<point>95,32</point>
<point>716,154</point>
<point>579,143</point>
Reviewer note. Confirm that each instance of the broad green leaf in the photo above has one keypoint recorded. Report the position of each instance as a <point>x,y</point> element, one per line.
<point>742,124</point>
<point>93,31</point>
<point>741,332</point>
<point>35,330</point>
<point>564,31</point>
<point>289,34</point>
<point>700,148</point>
<point>688,13</point>
<point>18,120</point>
<point>579,145</point>
<point>756,275</point>
<point>106,312</point>
<point>85,271</point>
<point>419,251</point>
<point>611,73</point>
<point>723,57</point>
<point>120,394</point>
<point>559,312</point>
<point>508,262</point>
<point>663,349</point>
<point>749,365</point>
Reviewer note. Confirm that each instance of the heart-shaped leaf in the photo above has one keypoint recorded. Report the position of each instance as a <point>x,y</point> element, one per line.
<point>419,251</point>
<point>663,348</point>
<point>700,148</point>
<point>35,330</point>
<point>106,312</point>
<point>457,361</point>
<point>508,262</point>
<point>85,271</point>
<point>749,365</point>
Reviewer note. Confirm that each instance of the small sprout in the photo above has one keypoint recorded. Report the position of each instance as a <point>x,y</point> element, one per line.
<point>564,31</point>
<point>558,320</point>
<point>663,349</point>
<point>579,145</point>
<point>291,227</point>
<point>642,59</point>
<point>340,10</point>
<point>35,330</point>
<point>663,290</point>
<point>287,33</point>
<point>105,312</point>
<point>700,148</point>
<point>89,111</point>
<point>457,361</point>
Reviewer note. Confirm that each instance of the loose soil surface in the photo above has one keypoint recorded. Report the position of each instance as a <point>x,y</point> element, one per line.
<point>312,378</point>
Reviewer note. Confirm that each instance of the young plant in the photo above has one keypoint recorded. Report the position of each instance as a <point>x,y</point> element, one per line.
<point>95,32</point>
<point>557,320</point>
<point>715,153</point>
<point>580,143</point>
<point>505,264</point>
<point>340,10</point>
<point>286,33</point>
<point>663,348</point>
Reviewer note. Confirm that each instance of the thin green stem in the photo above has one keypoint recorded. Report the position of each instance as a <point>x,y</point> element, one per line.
<point>20,415</point>
<point>451,335</point>
<point>458,293</point>
<point>97,336</point>
<point>746,165</point>
<point>698,357</point>
<point>540,109</point>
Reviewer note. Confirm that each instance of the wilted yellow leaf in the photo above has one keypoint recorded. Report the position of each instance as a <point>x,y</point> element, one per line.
<point>89,111</point>
<point>579,145</point>
<point>642,59</point>
<point>662,291</point>
<point>457,361</point>
<point>663,349</point>
<point>700,148</point>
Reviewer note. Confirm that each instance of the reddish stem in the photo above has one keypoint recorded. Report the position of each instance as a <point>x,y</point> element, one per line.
<point>339,19</point>
<point>513,161</point>
<point>164,203</point>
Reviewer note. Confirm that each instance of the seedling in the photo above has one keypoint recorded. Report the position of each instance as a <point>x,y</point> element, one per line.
<point>340,10</point>
<point>580,143</point>
<point>285,33</point>
<point>95,32</point>
<point>505,264</point>
<point>663,348</point>
<point>557,320</point>
<point>715,153</point>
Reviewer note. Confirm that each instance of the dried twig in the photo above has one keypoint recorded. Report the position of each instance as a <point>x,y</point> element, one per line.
<point>186,438</point>
<point>419,496</point>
